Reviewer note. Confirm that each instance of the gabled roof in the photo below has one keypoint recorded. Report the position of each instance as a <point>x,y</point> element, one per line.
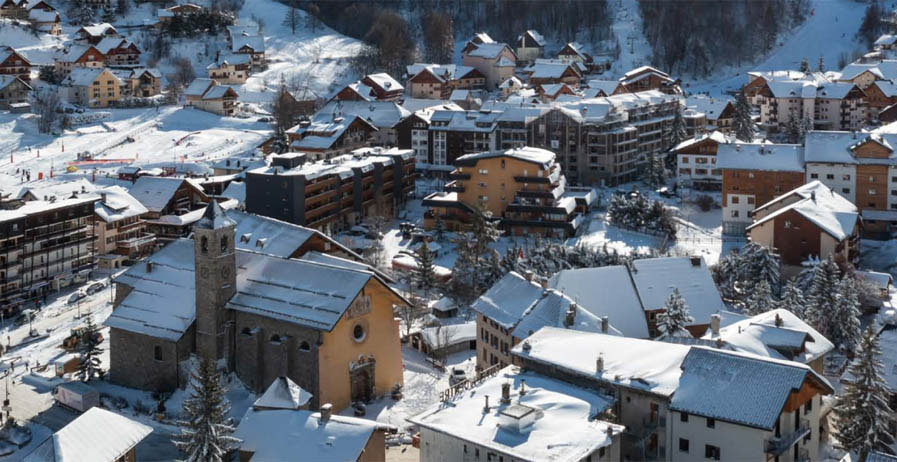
<point>43,16</point>
<point>254,42</point>
<point>655,279</point>
<point>537,37</point>
<point>257,233</point>
<point>442,71</point>
<point>739,388</point>
<point>643,71</point>
<point>886,39</point>
<point>84,76</point>
<point>777,334</point>
<point>117,205</point>
<point>761,156</point>
<point>490,50</point>
<point>839,146</point>
<point>283,393</point>
<point>385,82</point>
<point>605,291</point>
<point>96,435</point>
<point>607,87</point>
<point>7,80</point>
<point>712,108</point>
<point>533,155</point>
<point>219,91</point>
<point>75,52</point>
<point>380,114</point>
<point>97,30</point>
<point>816,202</point>
<point>156,192</point>
<point>715,136</point>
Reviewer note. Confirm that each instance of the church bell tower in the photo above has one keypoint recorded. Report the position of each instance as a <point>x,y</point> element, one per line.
<point>215,268</point>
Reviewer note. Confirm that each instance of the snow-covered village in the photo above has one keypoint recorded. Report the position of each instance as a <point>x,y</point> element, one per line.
<point>448,230</point>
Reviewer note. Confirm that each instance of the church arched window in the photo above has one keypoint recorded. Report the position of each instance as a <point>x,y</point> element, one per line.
<point>204,244</point>
<point>223,243</point>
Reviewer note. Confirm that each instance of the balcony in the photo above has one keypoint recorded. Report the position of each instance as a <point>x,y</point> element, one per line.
<point>454,186</point>
<point>456,175</point>
<point>777,446</point>
<point>136,242</point>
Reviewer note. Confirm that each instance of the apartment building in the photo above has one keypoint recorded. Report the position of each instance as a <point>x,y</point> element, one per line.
<point>437,81</point>
<point>682,402</point>
<point>754,174</point>
<point>251,45</point>
<point>330,134</point>
<point>809,221</point>
<point>79,56</point>
<point>92,87</point>
<point>385,116</point>
<point>229,69</point>
<point>606,140</point>
<point>696,161</point>
<point>334,194</point>
<point>45,245</point>
<point>207,95</point>
<point>15,64</point>
<point>172,204</point>
<point>522,187</point>
<point>120,229</point>
<point>823,105</point>
<point>118,51</point>
<point>496,61</point>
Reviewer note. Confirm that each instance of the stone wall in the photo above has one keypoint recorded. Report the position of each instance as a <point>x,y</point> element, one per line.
<point>133,363</point>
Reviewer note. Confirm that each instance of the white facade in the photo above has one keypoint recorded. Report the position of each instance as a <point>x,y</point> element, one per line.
<point>840,178</point>
<point>439,148</point>
<point>892,188</point>
<point>738,208</point>
<point>698,167</point>
<point>439,447</point>
<point>420,145</point>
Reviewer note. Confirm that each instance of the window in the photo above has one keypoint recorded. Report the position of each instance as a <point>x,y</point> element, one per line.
<point>845,177</point>
<point>845,190</point>
<point>304,346</point>
<point>751,200</point>
<point>809,406</point>
<point>711,423</point>
<point>734,199</point>
<point>871,192</point>
<point>830,176</point>
<point>814,176</point>
<point>482,171</point>
<point>204,244</point>
<point>711,452</point>
<point>685,160</point>
<point>683,445</point>
<point>275,338</point>
<point>157,353</point>
<point>735,214</point>
<point>224,243</point>
<point>358,333</point>
<point>683,417</point>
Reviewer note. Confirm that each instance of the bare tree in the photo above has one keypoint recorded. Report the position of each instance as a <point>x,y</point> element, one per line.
<point>182,76</point>
<point>284,110</point>
<point>410,314</point>
<point>47,105</point>
<point>311,16</point>
<point>445,335</point>
<point>439,37</point>
<point>292,18</point>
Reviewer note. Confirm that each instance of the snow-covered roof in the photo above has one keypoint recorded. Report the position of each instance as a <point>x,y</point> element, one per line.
<point>655,279</point>
<point>43,16</point>
<point>711,107</point>
<point>257,233</point>
<point>344,166</point>
<point>511,82</point>
<point>887,341</point>
<point>526,153</point>
<point>642,72</point>
<point>7,80</point>
<point>198,87</point>
<point>109,43</point>
<point>84,76</point>
<point>385,81</point>
<point>117,205</point>
<point>761,156</point>
<point>255,42</point>
<point>283,393</point>
<point>97,30</point>
<point>96,435</point>
<point>839,146</point>
<point>62,190</point>
<point>324,130</point>
<point>547,69</point>
<point>217,91</point>
<point>488,50</point>
<point>537,37</point>
<point>162,302</point>
<point>155,192</point>
<point>640,364</point>
<point>886,39</point>
<point>281,434</point>
<point>230,59</point>
<point>739,388</point>
<point>564,426</point>
<point>236,190</point>
<point>449,334</point>
<point>441,71</point>
<point>777,334</point>
<point>816,202</point>
<point>605,291</point>
<point>607,87</point>
<point>717,136</point>
<point>552,89</point>
<point>880,280</point>
<point>381,114</point>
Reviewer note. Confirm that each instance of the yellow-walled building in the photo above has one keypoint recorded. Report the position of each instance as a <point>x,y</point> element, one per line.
<point>522,187</point>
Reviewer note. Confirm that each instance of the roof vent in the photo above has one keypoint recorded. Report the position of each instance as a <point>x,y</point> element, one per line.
<point>326,411</point>
<point>526,346</point>
<point>506,393</point>
<point>522,387</point>
<point>695,261</point>
<point>605,324</point>
<point>149,266</point>
<point>714,324</point>
<point>570,317</point>
<point>778,320</point>
<point>599,363</point>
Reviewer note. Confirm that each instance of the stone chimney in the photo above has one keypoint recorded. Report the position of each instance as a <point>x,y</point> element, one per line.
<point>599,363</point>
<point>486,407</point>
<point>326,411</point>
<point>605,324</point>
<point>526,346</point>
<point>149,266</point>
<point>522,387</point>
<point>506,393</point>
<point>528,275</point>
<point>778,320</point>
<point>570,317</point>
<point>714,324</point>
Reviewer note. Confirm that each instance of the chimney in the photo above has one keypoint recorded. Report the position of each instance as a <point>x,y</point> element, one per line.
<point>326,410</point>
<point>528,275</point>
<point>227,162</point>
<point>526,346</point>
<point>695,261</point>
<point>599,363</point>
<point>570,317</point>
<point>714,324</point>
<point>102,197</point>
<point>778,320</point>
<point>544,283</point>
<point>813,195</point>
<point>486,408</point>
<point>522,387</point>
<point>506,393</point>
<point>149,266</point>
<point>605,324</point>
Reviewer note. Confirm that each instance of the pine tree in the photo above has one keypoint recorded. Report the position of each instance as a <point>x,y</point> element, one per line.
<point>439,229</point>
<point>760,299</point>
<point>656,172</point>
<point>844,326</point>
<point>822,296</point>
<point>205,427</point>
<point>743,125</point>
<point>90,351</point>
<point>804,66</point>
<point>425,273</point>
<point>762,264</point>
<point>793,300</point>
<point>672,321</point>
<point>678,134</point>
<point>862,411</point>
<point>820,66</point>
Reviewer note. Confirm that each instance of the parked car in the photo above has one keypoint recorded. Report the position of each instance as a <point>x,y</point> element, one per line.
<point>77,296</point>
<point>458,376</point>
<point>95,287</point>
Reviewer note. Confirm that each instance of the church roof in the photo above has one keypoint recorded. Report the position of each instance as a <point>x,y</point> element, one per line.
<point>214,218</point>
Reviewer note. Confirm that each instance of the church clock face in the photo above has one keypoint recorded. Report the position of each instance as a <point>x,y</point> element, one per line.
<point>204,272</point>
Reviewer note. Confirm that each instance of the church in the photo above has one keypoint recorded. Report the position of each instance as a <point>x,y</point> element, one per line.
<point>324,321</point>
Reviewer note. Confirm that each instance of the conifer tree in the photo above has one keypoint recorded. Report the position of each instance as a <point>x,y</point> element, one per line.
<point>439,229</point>
<point>820,66</point>
<point>804,65</point>
<point>89,343</point>
<point>844,325</point>
<point>793,300</point>
<point>823,296</point>
<point>672,321</point>
<point>862,413</point>
<point>425,273</point>
<point>743,125</point>
<point>760,299</point>
<point>205,427</point>
<point>678,134</point>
